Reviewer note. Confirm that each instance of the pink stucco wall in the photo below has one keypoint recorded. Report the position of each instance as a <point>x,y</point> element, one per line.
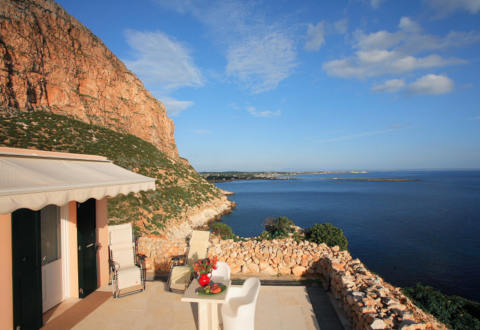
<point>102,239</point>
<point>73,248</point>
<point>6,281</point>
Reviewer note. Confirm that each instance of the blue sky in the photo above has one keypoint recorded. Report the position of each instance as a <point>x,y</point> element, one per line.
<point>306,85</point>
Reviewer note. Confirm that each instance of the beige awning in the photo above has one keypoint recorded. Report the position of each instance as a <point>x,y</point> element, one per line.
<point>34,181</point>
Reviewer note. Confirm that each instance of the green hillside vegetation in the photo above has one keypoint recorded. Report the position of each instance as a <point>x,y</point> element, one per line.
<point>179,186</point>
<point>456,312</point>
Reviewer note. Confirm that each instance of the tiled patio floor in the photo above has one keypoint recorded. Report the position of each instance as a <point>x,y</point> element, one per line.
<point>278,307</point>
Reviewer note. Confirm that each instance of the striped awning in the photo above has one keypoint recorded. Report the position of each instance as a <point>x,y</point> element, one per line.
<point>30,180</point>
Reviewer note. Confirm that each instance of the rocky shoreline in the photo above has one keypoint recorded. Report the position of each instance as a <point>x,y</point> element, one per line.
<point>159,249</point>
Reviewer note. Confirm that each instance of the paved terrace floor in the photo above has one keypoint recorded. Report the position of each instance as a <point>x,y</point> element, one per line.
<point>278,307</point>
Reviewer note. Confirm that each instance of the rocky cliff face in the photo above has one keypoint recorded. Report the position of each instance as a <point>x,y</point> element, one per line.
<point>50,61</point>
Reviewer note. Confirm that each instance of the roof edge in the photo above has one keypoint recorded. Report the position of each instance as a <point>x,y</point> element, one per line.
<point>18,152</point>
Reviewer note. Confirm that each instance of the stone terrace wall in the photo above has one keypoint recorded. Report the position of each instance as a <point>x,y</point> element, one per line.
<point>367,300</point>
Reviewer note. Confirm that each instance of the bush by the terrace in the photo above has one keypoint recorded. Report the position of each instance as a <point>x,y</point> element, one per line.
<point>278,228</point>
<point>456,312</point>
<point>223,230</point>
<point>328,234</point>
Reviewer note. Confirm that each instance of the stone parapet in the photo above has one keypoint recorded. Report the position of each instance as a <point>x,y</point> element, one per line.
<point>366,299</point>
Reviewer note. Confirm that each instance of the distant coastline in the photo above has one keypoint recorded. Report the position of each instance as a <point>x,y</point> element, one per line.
<point>215,177</point>
<point>372,179</point>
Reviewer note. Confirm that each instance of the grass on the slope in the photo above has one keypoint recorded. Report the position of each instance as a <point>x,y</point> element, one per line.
<point>178,186</point>
<point>456,312</point>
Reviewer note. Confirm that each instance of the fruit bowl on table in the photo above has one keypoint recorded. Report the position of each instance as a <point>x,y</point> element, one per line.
<point>211,289</point>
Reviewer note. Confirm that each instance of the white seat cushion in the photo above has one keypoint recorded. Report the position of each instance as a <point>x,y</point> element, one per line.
<point>128,277</point>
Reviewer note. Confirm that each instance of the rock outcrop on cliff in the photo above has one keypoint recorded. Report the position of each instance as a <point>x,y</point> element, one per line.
<point>50,61</point>
<point>61,89</point>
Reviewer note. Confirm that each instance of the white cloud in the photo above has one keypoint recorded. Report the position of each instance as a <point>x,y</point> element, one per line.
<point>431,84</point>
<point>383,52</point>
<point>445,7</point>
<point>259,54</point>
<point>161,60</point>
<point>267,113</point>
<point>315,36</point>
<point>376,40</point>
<point>375,56</point>
<point>376,3</point>
<point>408,25</point>
<point>261,63</point>
<point>373,63</point>
<point>341,26</point>
<point>175,107</point>
<point>389,86</point>
<point>428,84</point>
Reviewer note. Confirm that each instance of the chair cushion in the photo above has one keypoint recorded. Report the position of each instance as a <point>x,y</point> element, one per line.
<point>119,234</point>
<point>179,277</point>
<point>129,276</point>
<point>123,256</point>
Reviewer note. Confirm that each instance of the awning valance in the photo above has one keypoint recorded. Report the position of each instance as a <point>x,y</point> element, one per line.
<point>36,181</point>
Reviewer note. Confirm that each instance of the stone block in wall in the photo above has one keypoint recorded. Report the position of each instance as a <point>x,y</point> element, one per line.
<point>299,270</point>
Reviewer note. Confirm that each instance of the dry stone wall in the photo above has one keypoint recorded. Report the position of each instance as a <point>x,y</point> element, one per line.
<point>366,299</point>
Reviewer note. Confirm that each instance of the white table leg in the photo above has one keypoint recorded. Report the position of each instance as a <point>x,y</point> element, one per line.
<point>203,316</point>
<point>214,316</point>
<point>208,316</point>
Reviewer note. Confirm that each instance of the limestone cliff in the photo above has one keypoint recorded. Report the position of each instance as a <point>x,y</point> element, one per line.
<point>50,61</point>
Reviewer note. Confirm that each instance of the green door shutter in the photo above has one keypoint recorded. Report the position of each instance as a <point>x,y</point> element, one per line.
<point>87,250</point>
<point>27,269</point>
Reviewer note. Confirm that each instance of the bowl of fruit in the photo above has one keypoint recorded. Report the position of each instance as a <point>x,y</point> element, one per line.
<point>211,289</point>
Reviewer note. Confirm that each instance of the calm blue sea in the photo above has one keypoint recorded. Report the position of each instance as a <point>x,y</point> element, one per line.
<point>427,230</point>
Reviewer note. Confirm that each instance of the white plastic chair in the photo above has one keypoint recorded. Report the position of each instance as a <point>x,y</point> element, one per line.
<point>125,273</point>
<point>238,311</point>
<point>222,273</point>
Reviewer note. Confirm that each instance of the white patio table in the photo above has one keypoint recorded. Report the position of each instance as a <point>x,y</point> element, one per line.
<point>207,305</point>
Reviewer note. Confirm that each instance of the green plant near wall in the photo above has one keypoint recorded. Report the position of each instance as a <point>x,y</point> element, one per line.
<point>223,230</point>
<point>328,234</point>
<point>278,228</point>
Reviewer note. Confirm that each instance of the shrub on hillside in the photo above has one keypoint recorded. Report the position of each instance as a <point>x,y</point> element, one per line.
<point>456,312</point>
<point>328,234</point>
<point>278,227</point>
<point>223,230</point>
